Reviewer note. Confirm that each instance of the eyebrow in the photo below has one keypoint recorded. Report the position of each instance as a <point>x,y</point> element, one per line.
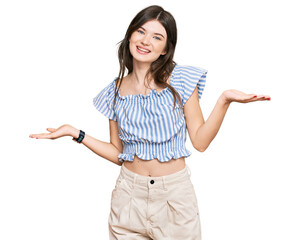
<point>154,33</point>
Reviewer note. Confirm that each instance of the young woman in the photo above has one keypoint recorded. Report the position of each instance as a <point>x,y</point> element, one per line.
<point>150,109</point>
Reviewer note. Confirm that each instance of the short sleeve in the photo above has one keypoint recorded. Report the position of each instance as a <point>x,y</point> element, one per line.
<point>104,101</point>
<point>190,78</point>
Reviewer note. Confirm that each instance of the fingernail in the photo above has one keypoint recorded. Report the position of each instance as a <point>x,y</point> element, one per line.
<point>268,98</point>
<point>255,96</point>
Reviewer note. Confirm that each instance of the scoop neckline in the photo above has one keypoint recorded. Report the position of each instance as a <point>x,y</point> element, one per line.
<point>152,91</point>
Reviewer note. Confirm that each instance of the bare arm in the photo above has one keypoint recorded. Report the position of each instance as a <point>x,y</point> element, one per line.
<point>109,151</point>
<point>203,132</point>
<point>207,131</point>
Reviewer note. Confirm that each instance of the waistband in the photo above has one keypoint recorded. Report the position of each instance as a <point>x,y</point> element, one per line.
<point>155,182</point>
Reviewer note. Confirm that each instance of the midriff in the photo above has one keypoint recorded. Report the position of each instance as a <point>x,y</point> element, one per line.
<point>153,167</point>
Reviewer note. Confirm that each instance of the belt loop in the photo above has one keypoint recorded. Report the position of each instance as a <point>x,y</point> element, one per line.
<point>164,183</point>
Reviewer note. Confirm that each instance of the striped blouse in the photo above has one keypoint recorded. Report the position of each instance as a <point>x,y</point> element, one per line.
<point>149,126</point>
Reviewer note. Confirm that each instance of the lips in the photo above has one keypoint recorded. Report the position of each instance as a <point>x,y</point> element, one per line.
<point>142,50</point>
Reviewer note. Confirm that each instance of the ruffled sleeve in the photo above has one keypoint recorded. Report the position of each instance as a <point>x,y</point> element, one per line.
<point>190,78</point>
<point>104,101</point>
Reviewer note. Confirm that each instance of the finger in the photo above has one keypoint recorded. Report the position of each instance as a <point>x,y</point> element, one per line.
<point>44,135</point>
<point>253,96</point>
<point>41,136</point>
<point>34,135</point>
<point>262,98</point>
<point>267,97</point>
<point>250,98</point>
<point>51,129</point>
<point>258,98</point>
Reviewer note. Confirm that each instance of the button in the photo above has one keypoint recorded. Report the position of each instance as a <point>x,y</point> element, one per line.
<point>152,181</point>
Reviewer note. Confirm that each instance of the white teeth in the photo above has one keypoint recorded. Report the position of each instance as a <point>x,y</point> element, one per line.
<point>143,50</point>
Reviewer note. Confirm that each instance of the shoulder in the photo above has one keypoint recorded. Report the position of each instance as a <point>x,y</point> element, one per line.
<point>104,100</point>
<point>188,71</point>
<point>107,93</point>
<point>183,75</point>
<point>186,78</point>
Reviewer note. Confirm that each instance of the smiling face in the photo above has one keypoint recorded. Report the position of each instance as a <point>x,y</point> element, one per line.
<point>148,42</point>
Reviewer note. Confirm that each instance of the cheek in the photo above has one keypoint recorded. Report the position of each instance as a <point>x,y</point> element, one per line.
<point>134,37</point>
<point>131,47</point>
<point>132,42</point>
<point>162,48</point>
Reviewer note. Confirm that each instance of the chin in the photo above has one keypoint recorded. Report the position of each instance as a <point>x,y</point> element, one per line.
<point>143,60</point>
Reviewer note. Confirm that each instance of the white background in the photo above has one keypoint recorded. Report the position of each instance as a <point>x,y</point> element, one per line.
<point>57,55</point>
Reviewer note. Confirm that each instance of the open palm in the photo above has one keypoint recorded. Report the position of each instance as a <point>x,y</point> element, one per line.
<point>53,133</point>
<point>238,96</point>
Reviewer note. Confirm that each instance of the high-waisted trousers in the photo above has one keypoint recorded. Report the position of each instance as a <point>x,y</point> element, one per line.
<point>157,208</point>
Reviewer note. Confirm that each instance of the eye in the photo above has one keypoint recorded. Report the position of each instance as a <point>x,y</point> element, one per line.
<point>157,38</point>
<point>140,31</point>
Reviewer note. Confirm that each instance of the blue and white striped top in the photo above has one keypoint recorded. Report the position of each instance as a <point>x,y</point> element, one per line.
<point>149,126</point>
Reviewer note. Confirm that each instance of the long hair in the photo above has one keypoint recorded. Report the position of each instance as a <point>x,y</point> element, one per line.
<point>160,69</point>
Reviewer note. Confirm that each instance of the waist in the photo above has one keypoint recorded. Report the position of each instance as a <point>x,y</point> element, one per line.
<point>155,181</point>
<point>155,168</point>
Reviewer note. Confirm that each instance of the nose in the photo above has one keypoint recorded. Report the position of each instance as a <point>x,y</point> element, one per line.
<point>146,40</point>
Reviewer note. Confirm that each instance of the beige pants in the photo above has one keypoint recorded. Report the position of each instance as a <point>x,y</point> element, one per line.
<point>156,208</point>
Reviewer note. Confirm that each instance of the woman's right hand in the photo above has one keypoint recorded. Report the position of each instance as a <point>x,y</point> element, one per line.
<point>54,133</point>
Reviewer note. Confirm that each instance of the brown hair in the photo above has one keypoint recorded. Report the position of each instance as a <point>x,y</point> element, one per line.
<point>160,69</point>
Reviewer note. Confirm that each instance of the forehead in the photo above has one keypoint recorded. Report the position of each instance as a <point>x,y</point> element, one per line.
<point>154,26</point>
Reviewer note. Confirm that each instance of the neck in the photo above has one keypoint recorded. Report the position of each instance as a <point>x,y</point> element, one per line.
<point>139,72</point>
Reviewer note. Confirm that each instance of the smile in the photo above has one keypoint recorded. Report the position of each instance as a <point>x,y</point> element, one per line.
<point>142,50</point>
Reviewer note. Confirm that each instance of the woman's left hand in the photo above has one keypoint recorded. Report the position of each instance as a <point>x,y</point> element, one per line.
<point>237,96</point>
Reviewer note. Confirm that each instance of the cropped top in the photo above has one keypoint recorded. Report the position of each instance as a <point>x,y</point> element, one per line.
<point>149,125</point>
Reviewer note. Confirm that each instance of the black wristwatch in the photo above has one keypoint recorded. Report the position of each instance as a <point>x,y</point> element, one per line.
<point>81,137</point>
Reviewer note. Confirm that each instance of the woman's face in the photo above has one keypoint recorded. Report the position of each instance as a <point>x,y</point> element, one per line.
<point>148,42</point>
